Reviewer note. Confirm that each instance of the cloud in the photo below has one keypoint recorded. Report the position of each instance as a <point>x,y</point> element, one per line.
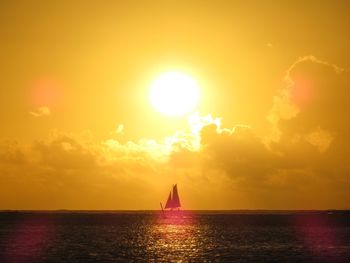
<point>239,151</point>
<point>301,164</point>
<point>310,112</point>
<point>41,111</point>
<point>64,171</point>
<point>120,129</point>
<point>311,132</point>
<point>77,172</point>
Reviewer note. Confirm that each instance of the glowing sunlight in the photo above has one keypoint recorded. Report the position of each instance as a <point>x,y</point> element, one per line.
<point>174,94</point>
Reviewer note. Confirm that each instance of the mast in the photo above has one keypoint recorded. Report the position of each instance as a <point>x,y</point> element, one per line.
<point>162,209</point>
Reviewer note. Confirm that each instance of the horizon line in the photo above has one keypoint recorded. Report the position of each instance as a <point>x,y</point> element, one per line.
<point>185,210</point>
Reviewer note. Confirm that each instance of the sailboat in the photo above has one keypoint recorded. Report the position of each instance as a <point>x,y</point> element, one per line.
<point>173,201</point>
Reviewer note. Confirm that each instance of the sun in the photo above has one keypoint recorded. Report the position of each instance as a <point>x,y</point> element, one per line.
<point>174,93</point>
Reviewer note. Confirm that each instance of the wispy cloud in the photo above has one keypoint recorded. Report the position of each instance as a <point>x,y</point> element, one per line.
<point>41,111</point>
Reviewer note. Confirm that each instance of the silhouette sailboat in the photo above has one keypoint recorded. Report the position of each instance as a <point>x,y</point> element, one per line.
<point>173,201</point>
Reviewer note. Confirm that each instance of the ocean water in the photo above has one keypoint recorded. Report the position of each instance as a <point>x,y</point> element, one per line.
<point>185,237</point>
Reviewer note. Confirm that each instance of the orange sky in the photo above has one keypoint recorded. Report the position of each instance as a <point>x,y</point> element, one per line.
<point>78,130</point>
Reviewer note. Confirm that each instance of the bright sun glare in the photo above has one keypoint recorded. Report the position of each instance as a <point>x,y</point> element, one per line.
<point>174,94</point>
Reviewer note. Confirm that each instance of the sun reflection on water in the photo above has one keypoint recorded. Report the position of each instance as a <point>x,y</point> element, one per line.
<point>175,237</point>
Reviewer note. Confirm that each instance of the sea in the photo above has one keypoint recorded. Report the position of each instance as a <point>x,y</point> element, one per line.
<point>185,236</point>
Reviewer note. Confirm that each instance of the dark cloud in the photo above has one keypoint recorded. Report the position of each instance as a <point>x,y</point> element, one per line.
<point>64,152</point>
<point>66,172</point>
<point>317,131</point>
<point>238,151</point>
<point>306,154</point>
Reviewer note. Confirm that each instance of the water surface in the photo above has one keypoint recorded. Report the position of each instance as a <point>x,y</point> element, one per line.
<point>188,237</point>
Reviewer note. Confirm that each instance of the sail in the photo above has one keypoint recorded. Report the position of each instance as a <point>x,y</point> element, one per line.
<point>169,202</point>
<point>175,202</point>
<point>173,199</point>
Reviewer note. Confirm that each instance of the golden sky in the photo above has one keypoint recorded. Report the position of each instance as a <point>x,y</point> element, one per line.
<point>270,131</point>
